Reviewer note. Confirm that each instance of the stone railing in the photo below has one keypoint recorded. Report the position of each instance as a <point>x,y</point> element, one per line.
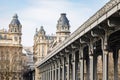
<point>90,21</point>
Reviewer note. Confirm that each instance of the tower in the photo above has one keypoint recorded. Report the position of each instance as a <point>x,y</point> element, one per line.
<point>11,50</point>
<point>15,30</point>
<point>44,44</point>
<point>63,28</point>
<point>40,44</point>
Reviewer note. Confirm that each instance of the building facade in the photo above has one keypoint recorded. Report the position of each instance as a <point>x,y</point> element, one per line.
<point>28,63</point>
<point>44,44</point>
<point>28,54</point>
<point>11,51</point>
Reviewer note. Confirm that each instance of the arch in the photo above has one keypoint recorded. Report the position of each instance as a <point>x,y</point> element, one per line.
<point>114,46</point>
<point>114,40</point>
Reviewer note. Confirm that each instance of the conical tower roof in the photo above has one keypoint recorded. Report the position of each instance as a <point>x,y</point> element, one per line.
<point>42,31</point>
<point>63,20</point>
<point>15,20</point>
<point>63,24</point>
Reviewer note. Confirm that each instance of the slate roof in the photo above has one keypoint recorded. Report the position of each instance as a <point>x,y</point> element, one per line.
<point>15,20</point>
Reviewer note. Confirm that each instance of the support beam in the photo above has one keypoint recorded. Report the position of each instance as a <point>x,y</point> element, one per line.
<point>105,57</point>
<point>68,66</point>
<point>115,57</point>
<point>104,44</point>
<point>50,72</point>
<point>91,59</point>
<point>95,66</point>
<point>42,76</point>
<point>59,70</point>
<point>56,71</point>
<point>87,68</point>
<point>89,39</point>
<point>63,68</point>
<point>46,75</point>
<point>53,73</point>
<point>105,65</point>
<point>81,69</point>
<point>74,64</point>
<point>91,68</point>
<point>81,59</point>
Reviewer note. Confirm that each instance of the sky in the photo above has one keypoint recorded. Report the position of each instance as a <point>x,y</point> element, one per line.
<point>33,14</point>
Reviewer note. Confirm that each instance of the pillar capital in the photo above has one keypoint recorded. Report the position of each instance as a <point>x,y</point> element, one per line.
<point>67,50</point>
<point>97,32</point>
<point>91,56</point>
<point>75,46</point>
<point>81,59</point>
<point>84,40</point>
<point>105,52</point>
<point>67,59</point>
<point>61,53</point>
<point>81,55</point>
<point>73,57</point>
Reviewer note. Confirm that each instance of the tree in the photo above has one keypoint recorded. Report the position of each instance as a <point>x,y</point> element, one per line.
<point>10,63</point>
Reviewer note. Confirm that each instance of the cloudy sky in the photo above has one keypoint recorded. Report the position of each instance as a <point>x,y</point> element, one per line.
<point>35,13</point>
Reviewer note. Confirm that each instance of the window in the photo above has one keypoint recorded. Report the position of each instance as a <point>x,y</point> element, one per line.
<point>0,36</point>
<point>15,38</point>
<point>42,50</point>
<point>19,38</point>
<point>5,37</point>
<point>15,30</point>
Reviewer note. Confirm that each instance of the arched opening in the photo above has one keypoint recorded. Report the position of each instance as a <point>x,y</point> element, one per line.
<point>114,61</point>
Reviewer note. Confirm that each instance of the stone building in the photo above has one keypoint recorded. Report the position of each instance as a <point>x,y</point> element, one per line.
<point>43,44</point>
<point>28,55</point>
<point>28,63</point>
<point>11,51</point>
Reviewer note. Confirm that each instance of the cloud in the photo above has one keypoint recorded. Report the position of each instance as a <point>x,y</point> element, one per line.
<point>46,13</point>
